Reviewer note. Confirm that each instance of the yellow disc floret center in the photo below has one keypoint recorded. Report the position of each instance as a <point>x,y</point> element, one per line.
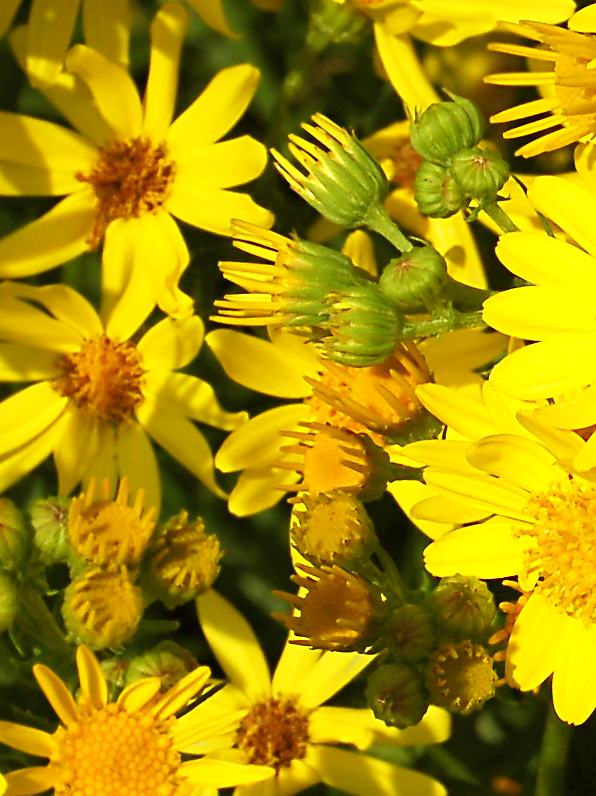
<point>110,752</point>
<point>130,177</point>
<point>104,379</point>
<point>274,733</point>
<point>563,558</point>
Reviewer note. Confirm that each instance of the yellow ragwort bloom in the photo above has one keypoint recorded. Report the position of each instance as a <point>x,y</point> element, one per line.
<point>130,746</point>
<point>99,394</point>
<point>568,84</point>
<point>288,727</point>
<point>129,169</point>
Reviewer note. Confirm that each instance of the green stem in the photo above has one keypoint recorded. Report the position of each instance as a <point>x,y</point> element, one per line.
<point>500,217</point>
<point>41,624</point>
<point>451,766</point>
<point>552,764</point>
<point>443,323</point>
<point>379,221</point>
<point>399,587</point>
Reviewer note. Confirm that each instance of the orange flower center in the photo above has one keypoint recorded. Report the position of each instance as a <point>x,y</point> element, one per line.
<point>406,162</point>
<point>103,380</point>
<point>130,177</point>
<point>563,557</point>
<point>274,733</point>
<point>108,752</point>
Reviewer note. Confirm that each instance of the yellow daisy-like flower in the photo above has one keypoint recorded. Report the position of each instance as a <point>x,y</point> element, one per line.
<point>130,746</point>
<point>129,169</point>
<point>288,727</point>
<point>98,394</point>
<point>527,513</point>
<point>558,309</point>
<point>569,84</point>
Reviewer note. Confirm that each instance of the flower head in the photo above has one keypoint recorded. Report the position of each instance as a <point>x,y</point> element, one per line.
<point>132,745</point>
<point>129,169</point>
<point>288,727</point>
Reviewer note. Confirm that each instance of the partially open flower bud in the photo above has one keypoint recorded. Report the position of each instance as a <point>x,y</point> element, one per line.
<point>463,607</point>
<point>414,280</point>
<point>437,192</point>
<point>460,677</point>
<point>444,128</point>
<point>396,694</point>
<point>480,173</point>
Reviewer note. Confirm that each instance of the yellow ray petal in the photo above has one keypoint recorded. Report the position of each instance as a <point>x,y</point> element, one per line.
<point>24,363</point>
<point>56,693</point>
<point>112,87</point>
<point>570,206</point>
<point>20,462</point>
<point>215,110</point>
<point>7,11</point>
<point>450,453</point>
<point>214,209</point>
<point>445,512</point>
<point>170,345</point>
<point>481,491</point>
<point>467,416</point>
<point>404,70</point>
<point>294,667</point>
<point>330,673</point>
<point>222,165</point>
<point>212,12</point>
<point>27,739</point>
<point>222,773</point>
<point>50,31</point>
<point>58,236</point>
<point>258,489</point>
<point>135,696</point>
<point>136,461</point>
<point>182,692</point>
<point>92,678</point>
<point>574,678</point>
<point>104,464</point>
<point>564,444</point>
<point>576,411</point>
<point>75,451</point>
<point>518,460</point>
<point>263,366</point>
<point>106,28</point>
<point>235,645</point>
<point>584,20</point>
<point>28,413</point>
<point>27,781</point>
<point>167,36</point>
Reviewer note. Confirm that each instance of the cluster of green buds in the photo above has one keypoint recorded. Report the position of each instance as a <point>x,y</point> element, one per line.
<point>432,644</point>
<point>455,170</point>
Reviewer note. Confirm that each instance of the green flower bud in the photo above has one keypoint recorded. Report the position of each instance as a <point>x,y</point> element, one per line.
<point>157,663</point>
<point>343,182</point>
<point>446,127</point>
<point>462,607</point>
<point>460,677</point>
<point>480,173</point>
<point>9,601</point>
<point>437,193</point>
<point>411,633</point>
<point>414,280</point>
<point>363,327</point>
<point>14,536</point>
<point>396,694</point>
<point>49,519</point>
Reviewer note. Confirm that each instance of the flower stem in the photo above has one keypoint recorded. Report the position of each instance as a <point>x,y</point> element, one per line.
<point>500,217</point>
<point>443,323</point>
<point>379,221</point>
<point>552,764</point>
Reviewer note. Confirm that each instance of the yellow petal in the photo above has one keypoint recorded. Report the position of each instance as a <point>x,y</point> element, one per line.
<point>482,491</point>
<point>112,87</point>
<point>104,463</point>
<point>520,461</point>
<point>28,413</point>
<point>21,461</point>
<point>222,773</point>
<point>359,248</point>
<point>169,345</point>
<point>215,111</point>
<point>586,458</point>
<point>92,678</point>
<point>235,645</point>
<point>258,489</point>
<point>570,206</point>
<point>404,70</point>
<point>167,36</point>
<point>75,451</point>
<point>180,694</point>
<point>450,453</point>
<point>535,643</point>
<point>135,696</point>
<point>452,237</point>
<point>212,12</point>
<point>574,678</point>
<point>106,28</point>
<point>137,462</point>
<point>563,444</point>
<point>56,693</point>
<point>7,11</point>
<point>27,739</point>
<point>463,349</point>
<point>222,165</point>
<point>214,209</point>
<point>443,512</point>
<point>330,673</point>
<point>467,416</point>
<point>50,31</point>
<point>27,781</point>
<point>58,236</point>
<point>584,20</point>
<point>24,363</point>
<point>486,550</point>
<point>575,411</point>
<point>271,368</point>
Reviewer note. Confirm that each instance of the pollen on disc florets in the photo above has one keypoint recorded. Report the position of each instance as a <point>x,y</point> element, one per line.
<point>110,751</point>
<point>562,559</point>
<point>104,379</point>
<point>129,178</point>
<point>274,733</point>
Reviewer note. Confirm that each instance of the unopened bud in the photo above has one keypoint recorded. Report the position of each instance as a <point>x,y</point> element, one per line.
<point>49,519</point>
<point>411,634</point>
<point>460,677</point>
<point>14,536</point>
<point>444,128</point>
<point>158,663</point>
<point>480,173</point>
<point>396,694</point>
<point>437,192</point>
<point>414,280</point>
<point>463,607</point>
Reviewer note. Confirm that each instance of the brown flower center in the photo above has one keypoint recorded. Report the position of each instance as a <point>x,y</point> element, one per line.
<point>130,177</point>
<point>274,733</point>
<point>103,380</point>
<point>406,162</point>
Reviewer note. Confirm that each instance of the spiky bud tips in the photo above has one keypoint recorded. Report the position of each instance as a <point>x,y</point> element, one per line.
<point>333,529</point>
<point>479,173</point>
<point>446,127</point>
<point>411,634</point>
<point>415,280</point>
<point>342,181</point>
<point>363,328</point>
<point>15,539</point>
<point>340,611</point>
<point>49,519</point>
<point>437,192</point>
<point>182,562</point>
<point>9,601</point>
<point>102,608</point>
<point>462,607</point>
<point>460,677</point>
<point>396,694</point>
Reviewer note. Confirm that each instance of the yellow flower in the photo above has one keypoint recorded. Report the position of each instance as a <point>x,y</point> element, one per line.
<point>287,726</point>
<point>526,513</point>
<point>130,746</point>
<point>129,169</point>
<point>98,394</point>
<point>569,84</point>
<point>558,308</point>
